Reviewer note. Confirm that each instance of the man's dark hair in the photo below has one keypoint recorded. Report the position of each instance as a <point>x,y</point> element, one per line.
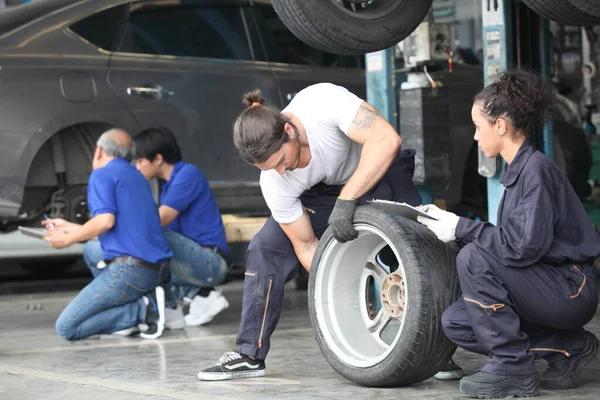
<point>258,131</point>
<point>157,140</point>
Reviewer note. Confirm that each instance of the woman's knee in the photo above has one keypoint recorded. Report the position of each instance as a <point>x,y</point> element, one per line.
<point>446,321</point>
<point>450,319</point>
<point>468,259</point>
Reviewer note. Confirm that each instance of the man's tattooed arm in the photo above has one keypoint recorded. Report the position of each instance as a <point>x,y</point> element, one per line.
<point>365,118</point>
<point>380,143</point>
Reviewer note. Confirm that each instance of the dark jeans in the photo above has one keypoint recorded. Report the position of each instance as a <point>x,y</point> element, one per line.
<point>272,261</point>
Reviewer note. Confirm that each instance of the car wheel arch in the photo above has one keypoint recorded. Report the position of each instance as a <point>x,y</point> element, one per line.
<point>45,157</point>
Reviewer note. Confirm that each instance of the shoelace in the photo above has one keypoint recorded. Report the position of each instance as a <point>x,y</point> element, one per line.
<point>229,356</point>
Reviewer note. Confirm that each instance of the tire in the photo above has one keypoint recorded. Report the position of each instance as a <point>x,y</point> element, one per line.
<point>328,26</point>
<point>566,12</point>
<point>412,346</point>
<point>591,7</point>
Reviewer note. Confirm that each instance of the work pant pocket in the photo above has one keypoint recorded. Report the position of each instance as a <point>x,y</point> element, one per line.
<point>134,282</point>
<point>577,282</point>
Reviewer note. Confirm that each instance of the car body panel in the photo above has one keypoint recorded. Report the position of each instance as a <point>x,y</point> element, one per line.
<point>56,83</point>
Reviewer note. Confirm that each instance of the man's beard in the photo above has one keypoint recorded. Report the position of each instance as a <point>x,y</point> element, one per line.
<point>296,142</point>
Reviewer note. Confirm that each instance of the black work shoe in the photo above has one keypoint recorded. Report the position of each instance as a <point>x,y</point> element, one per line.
<point>450,371</point>
<point>155,313</point>
<point>565,372</point>
<point>233,366</point>
<point>484,385</point>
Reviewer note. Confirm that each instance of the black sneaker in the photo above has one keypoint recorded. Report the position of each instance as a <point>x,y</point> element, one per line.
<point>450,371</point>
<point>564,372</point>
<point>233,366</point>
<point>484,385</point>
<point>155,313</point>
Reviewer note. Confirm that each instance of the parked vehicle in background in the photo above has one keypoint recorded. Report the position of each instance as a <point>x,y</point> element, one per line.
<point>72,69</point>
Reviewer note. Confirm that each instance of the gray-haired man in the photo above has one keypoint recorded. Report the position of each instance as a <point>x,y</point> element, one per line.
<point>125,291</point>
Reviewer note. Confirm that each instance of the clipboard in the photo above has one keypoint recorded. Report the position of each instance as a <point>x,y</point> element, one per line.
<point>406,210</point>
<point>36,233</point>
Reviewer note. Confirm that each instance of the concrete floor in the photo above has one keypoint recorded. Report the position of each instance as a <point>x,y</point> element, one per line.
<point>36,364</point>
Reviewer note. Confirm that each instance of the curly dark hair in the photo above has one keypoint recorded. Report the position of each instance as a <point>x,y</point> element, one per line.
<point>520,96</point>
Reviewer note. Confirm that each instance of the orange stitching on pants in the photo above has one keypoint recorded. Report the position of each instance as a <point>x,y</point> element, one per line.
<point>566,353</point>
<point>262,327</point>
<point>582,285</point>
<point>493,306</point>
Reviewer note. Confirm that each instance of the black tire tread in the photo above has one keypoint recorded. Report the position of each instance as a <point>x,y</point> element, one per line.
<point>564,12</point>
<point>307,20</point>
<point>591,7</point>
<point>425,348</point>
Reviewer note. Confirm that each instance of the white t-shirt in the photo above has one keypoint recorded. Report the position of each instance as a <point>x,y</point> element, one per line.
<point>326,112</point>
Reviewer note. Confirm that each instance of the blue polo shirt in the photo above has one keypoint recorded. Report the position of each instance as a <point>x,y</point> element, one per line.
<point>119,189</point>
<point>187,191</point>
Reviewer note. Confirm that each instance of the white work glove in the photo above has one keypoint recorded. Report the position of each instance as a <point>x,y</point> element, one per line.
<point>445,227</point>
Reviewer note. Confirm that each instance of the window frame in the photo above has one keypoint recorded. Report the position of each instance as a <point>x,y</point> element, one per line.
<point>118,37</point>
<point>258,32</point>
<point>157,4</point>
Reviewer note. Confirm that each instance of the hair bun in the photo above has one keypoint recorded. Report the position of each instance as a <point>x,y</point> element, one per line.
<point>528,91</point>
<point>253,97</point>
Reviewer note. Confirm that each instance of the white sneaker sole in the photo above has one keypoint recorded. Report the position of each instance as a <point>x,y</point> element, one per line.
<point>160,302</point>
<point>126,332</point>
<point>191,320</point>
<point>449,375</point>
<point>222,376</point>
<point>178,324</point>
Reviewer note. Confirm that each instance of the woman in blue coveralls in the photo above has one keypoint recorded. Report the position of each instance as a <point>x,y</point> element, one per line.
<point>528,284</point>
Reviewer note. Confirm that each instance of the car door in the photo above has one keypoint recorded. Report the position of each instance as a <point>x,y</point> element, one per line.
<point>298,65</point>
<point>186,66</point>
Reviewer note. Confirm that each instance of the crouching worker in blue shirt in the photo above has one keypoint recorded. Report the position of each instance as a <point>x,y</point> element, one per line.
<point>528,283</point>
<point>194,229</point>
<point>125,291</point>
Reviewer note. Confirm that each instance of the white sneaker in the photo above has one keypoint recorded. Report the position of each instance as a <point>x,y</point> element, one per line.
<point>450,371</point>
<point>155,313</point>
<point>131,330</point>
<point>204,309</point>
<point>174,318</point>
<point>127,332</point>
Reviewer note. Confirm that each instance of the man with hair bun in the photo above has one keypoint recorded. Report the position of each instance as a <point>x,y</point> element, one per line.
<point>528,283</point>
<point>325,153</point>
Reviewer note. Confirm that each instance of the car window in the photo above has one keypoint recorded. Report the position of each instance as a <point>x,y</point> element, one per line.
<point>102,28</point>
<point>282,46</point>
<point>187,31</point>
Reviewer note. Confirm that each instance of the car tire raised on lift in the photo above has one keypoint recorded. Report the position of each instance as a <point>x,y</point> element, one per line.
<point>349,27</point>
<point>568,12</point>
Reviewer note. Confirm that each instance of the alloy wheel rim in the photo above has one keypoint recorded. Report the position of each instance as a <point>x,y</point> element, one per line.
<point>359,335</point>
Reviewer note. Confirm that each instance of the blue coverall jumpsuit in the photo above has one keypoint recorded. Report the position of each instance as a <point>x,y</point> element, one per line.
<point>528,283</point>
